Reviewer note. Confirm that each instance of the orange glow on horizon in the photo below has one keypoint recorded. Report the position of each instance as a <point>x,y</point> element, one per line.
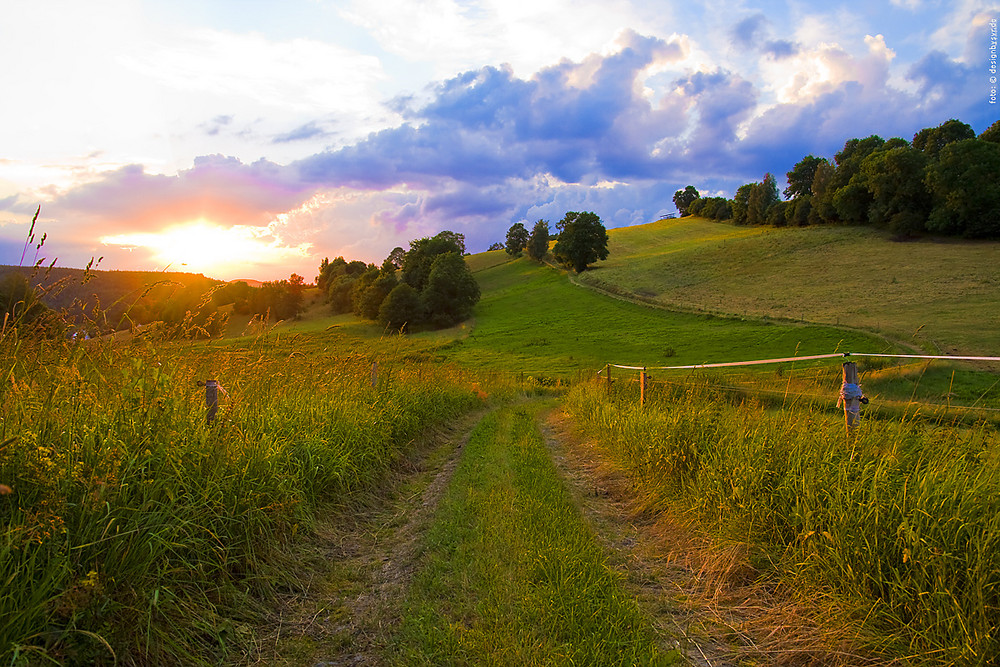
<point>201,246</point>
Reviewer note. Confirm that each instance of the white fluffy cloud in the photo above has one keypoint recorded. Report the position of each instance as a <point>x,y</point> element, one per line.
<point>312,129</point>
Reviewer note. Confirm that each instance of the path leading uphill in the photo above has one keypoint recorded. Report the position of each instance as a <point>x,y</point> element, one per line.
<point>701,599</point>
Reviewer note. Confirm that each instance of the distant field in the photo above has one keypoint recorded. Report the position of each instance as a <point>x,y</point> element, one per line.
<point>941,295</point>
<point>532,319</point>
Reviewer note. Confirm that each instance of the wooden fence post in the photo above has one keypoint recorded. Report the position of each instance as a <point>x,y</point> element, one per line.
<point>374,374</point>
<point>850,396</point>
<point>607,377</point>
<point>642,387</point>
<point>211,398</point>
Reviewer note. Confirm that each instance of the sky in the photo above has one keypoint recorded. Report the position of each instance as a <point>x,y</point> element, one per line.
<point>253,138</point>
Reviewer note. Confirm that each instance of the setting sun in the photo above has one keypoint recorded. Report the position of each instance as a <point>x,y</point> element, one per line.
<point>201,246</point>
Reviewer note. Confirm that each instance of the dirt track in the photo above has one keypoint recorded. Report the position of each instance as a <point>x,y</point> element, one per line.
<point>702,597</point>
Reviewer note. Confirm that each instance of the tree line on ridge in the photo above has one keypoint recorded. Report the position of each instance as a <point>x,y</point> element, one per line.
<point>945,181</point>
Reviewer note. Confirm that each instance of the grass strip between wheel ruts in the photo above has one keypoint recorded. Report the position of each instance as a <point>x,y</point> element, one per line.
<point>511,574</point>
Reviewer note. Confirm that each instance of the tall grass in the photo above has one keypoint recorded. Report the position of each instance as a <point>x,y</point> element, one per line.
<point>135,530</point>
<point>900,522</point>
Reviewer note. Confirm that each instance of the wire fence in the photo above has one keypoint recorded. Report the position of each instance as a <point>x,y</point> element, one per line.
<point>644,380</point>
<point>758,362</point>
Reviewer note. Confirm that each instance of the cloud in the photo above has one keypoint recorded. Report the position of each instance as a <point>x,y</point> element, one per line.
<point>577,121</point>
<point>310,130</point>
<point>780,48</point>
<point>750,31</point>
<point>615,131</point>
<point>214,126</point>
<point>448,36</point>
<point>220,189</point>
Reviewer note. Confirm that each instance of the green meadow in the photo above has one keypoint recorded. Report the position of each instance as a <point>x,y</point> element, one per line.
<point>134,532</point>
<point>940,295</point>
<point>535,320</point>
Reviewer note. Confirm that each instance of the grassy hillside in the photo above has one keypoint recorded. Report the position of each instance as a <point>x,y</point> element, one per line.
<point>77,290</point>
<point>942,295</point>
<point>533,319</point>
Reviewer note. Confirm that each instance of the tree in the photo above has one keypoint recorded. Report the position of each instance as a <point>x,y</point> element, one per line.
<point>992,133</point>
<point>401,308</point>
<point>456,238</point>
<point>779,212</point>
<point>417,262</point>
<point>895,180</point>
<point>821,210</point>
<point>338,294</point>
<point>517,239</point>
<point>684,198</point>
<point>741,201</point>
<point>724,209</point>
<point>963,183</point>
<point>372,292</point>
<point>800,209</point>
<point>931,140</point>
<point>451,291</point>
<point>762,197</point>
<point>582,240</point>
<point>396,257</point>
<point>800,178</point>
<point>846,197</point>
<point>296,286</point>
<point>495,246</point>
<point>538,242</point>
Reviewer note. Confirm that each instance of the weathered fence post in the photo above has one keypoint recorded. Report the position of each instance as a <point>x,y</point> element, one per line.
<point>374,374</point>
<point>211,398</point>
<point>607,377</point>
<point>850,396</point>
<point>642,387</point>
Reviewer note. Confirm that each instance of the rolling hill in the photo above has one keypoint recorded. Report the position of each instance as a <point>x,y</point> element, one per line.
<point>942,295</point>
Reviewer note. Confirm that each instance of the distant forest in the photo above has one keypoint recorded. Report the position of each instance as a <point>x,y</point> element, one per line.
<point>945,181</point>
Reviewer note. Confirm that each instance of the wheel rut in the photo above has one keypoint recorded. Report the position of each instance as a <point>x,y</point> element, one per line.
<point>357,567</point>
<point>703,593</point>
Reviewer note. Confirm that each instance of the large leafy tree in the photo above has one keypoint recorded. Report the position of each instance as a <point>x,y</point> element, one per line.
<point>846,197</point>
<point>800,178</point>
<point>582,240</point>
<point>451,291</point>
<point>417,262</point>
<point>992,133</point>
<point>821,208</point>
<point>964,183</point>
<point>895,180</point>
<point>538,242</point>
<point>370,290</point>
<point>762,197</point>
<point>401,308</point>
<point>741,202</point>
<point>396,257</point>
<point>517,239</point>
<point>684,198</point>
<point>931,140</point>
